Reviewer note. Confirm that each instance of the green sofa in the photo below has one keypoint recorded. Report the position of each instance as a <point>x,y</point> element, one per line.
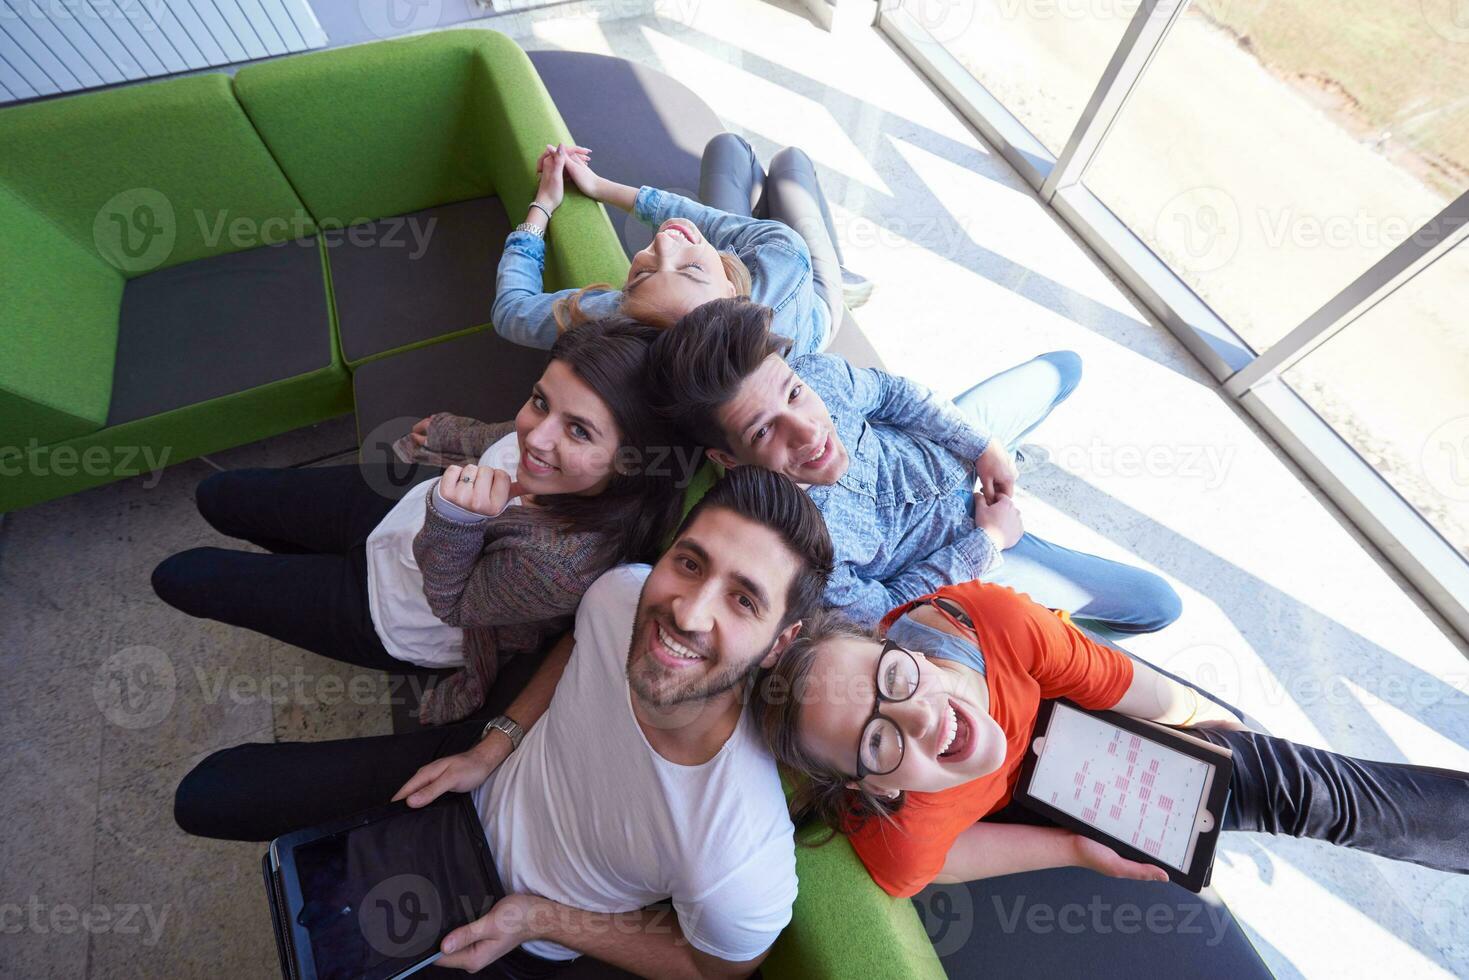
<point>193,264</point>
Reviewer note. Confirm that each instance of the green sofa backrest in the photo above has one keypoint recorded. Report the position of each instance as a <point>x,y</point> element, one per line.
<point>99,188</point>
<point>150,176</point>
<point>397,126</point>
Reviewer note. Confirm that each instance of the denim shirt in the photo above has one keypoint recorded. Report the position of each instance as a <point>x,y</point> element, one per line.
<point>775,254</point>
<point>901,518</point>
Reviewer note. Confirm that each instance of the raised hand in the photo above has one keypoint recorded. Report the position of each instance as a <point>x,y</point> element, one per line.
<point>486,939</point>
<point>462,773</point>
<point>551,167</point>
<point>579,170</point>
<point>1103,860</point>
<point>996,472</point>
<point>479,489</point>
<point>1000,520</point>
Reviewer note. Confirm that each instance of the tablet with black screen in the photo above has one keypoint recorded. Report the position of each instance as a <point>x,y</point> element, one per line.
<point>371,896</point>
<point>1152,793</point>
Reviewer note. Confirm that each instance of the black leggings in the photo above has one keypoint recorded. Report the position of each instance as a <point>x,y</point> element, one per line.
<point>731,179</point>
<point>311,590</point>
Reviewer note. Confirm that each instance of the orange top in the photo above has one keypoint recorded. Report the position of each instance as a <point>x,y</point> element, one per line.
<point>1030,652</point>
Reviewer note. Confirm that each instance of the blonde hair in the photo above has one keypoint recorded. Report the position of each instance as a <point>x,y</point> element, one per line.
<point>568,312</point>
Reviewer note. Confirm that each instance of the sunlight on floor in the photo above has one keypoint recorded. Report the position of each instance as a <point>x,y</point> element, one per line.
<point>1283,605</point>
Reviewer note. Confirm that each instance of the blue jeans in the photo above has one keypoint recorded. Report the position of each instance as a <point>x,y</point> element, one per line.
<point>1127,599</point>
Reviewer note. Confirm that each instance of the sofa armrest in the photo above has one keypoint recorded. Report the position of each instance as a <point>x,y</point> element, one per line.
<point>58,332</point>
<point>519,119</point>
<point>846,926</point>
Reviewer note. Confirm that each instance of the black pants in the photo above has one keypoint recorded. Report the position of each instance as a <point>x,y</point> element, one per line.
<point>311,590</point>
<point>731,179</point>
<point>1404,812</point>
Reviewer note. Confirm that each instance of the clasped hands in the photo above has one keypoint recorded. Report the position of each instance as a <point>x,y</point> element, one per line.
<point>994,504</point>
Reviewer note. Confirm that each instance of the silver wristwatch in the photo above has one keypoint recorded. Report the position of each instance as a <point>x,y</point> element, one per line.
<point>533,229</point>
<point>506,726</point>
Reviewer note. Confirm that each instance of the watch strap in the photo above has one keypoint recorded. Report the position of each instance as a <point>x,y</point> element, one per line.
<point>506,726</point>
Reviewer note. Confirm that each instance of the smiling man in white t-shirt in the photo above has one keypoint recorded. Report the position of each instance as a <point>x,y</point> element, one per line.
<point>644,779</point>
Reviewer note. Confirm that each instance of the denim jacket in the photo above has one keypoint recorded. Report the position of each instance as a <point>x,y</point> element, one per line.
<point>901,518</point>
<point>775,254</point>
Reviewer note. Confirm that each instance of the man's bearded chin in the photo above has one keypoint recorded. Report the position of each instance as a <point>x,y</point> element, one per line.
<point>657,689</point>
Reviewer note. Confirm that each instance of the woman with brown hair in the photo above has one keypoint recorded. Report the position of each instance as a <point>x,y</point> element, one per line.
<point>487,562</point>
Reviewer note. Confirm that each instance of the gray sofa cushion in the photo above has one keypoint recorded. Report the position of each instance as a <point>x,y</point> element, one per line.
<point>642,126</point>
<point>1070,922</point>
<point>219,325</point>
<point>414,277</point>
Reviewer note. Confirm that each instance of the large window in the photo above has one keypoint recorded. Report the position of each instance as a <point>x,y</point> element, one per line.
<point>1273,151</point>
<point>1395,384</point>
<point>1041,58</point>
<point>1259,172</point>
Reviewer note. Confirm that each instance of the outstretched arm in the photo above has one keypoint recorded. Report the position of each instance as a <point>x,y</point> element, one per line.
<point>988,850</point>
<point>647,942</point>
<point>1153,696</point>
<point>725,231</point>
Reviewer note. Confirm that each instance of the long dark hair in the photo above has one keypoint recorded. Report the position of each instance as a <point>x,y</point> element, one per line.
<point>820,792</point>
<point>640,504</point>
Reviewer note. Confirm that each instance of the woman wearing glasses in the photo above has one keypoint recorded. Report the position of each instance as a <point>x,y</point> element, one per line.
<point>906,743</point>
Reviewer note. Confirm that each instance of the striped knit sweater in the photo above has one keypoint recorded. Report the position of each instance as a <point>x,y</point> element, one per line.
<point>512,582</point>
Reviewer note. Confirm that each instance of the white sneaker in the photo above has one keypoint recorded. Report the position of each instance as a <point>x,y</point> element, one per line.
<point>856,289</point>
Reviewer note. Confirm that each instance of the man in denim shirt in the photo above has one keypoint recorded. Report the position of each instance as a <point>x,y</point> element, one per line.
<point>915,489</point>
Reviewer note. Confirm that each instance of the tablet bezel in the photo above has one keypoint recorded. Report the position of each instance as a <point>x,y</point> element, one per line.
<point>1201,861</point>
<point>282,858</point>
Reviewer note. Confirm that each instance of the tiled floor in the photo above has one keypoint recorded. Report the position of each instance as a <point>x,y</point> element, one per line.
<point>1287,612</point>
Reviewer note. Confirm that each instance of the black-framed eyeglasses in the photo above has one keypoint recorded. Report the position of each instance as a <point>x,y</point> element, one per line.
<point>881,749</point>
